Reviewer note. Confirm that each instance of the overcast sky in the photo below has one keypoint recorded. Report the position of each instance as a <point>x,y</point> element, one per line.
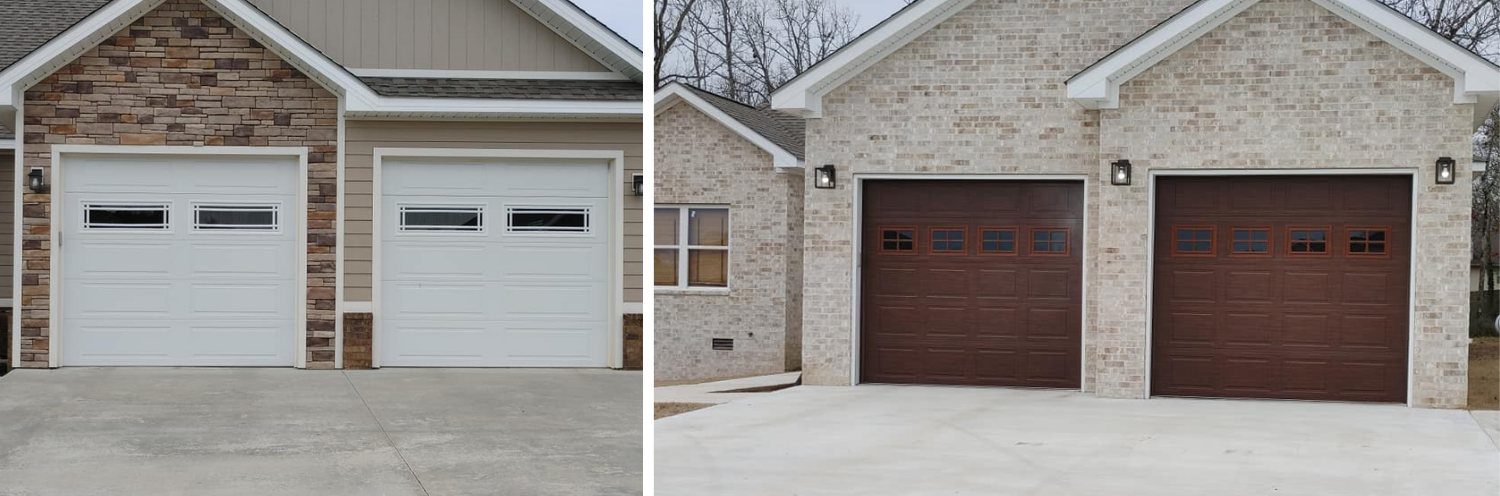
<point>871,12</point>
<point>623,16</point>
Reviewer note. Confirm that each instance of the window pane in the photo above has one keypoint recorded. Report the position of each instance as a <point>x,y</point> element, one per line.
<point>1376,235</point>
<point>1241,246</point>
<point>988,245</point>
<point>1356,247</point>
<point>1319,235</point>
<point>666,226</point>
<point>253,218</point>
<point>1059,236</point>
<point>1259,247</point>
<point>1318,247</point>
<point>666,267</point>
<point>543,219</point>
<point>708,227</point>
<point>890,246</point>
<point>1007,246</point>
<point>1185,234</point>
<point>442,219</point>
<point>1299,247</point>
<point>708,268</point>
<point>1039,247</point>
<point>1059,247</point>
<point>125,217</point>
<point>1377,247</point>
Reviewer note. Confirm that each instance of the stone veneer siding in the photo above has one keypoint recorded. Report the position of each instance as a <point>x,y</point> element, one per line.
<point>359,340</point>
<point>984,93</point>
<point>182,76</point>
<point>700,162</point>
<point>634,327</point>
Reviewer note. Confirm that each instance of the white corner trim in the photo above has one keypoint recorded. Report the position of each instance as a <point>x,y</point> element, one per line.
<point>7,302</point>
<point>448,74</point>
<point>1478,166</point>
<point>1098,87</point>
<point>588,34</point>
<point>632,307</point>
<point>676,93</point>
<point>804,93</point>
<point>359,307</point>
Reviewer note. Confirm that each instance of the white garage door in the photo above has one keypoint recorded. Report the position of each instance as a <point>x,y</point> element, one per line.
<point>494,263</point>
<point>178,261</point>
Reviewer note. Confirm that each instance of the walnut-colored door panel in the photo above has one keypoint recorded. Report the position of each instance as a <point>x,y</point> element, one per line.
<point>1301,293</point>
<point>971,282</point>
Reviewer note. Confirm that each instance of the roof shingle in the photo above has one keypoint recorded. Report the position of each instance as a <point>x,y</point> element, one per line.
<point>785,130</point>
<point>521,89</point>
<point>29,24</point>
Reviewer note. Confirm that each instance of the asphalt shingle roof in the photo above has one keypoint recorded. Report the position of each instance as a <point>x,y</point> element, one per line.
<point>785,130</point>
<point>29,24</point>
<point>521,89</point>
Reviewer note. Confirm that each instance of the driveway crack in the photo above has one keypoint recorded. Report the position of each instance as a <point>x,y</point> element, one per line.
<point>388,439</point>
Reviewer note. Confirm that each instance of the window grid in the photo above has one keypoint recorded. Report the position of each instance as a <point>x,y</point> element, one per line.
<point>898,240</point>
<point>1308,241</point>
<point>91,222</point>
<point>1250,242</point>
<point>203,221</point>
<point>583,226</point>
<point>1050,242</point>
<point>1368,241</point>
<point>1194,241</point>
<point>406,223</point>
<point>681,250</point>
<point>948,240</point>
<point>998,241</point>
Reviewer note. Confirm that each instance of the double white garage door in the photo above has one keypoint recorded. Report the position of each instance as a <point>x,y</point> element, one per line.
<point>193,261</point>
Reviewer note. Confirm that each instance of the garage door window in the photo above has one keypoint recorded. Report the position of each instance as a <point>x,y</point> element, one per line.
<point>108,216</point>
<point>444,219</point>
<point>1051,242</point>
<point>898,240</point>
<point>1311,241</point>
<point>699,242</point>
<point>1251,241</point>
<point>948,241</point>
<point>998,241</point>
<point>235,217</point>
<point>1193,241</point>
<point>1368,241</point>
<point>551,220</point>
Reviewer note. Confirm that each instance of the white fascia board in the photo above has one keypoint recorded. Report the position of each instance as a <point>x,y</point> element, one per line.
<point>803,95</point>
<point>566,17</point>
<point>466,74</point>
<point>675,93</point>
<point>1478,166</point>
<point>68,46</point>
<point>1098,87</point>
<point>7,144</point>
<point>480,107</point>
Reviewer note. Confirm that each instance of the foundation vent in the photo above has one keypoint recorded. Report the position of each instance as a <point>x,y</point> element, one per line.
<point>723,344</point>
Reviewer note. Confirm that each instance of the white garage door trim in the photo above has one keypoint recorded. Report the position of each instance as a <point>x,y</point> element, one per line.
<point>298,211</point>
<point>1411,310</point>
<point>615,205</point>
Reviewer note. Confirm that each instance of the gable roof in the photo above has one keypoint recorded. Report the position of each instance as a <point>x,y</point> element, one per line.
<point>30,23</point>
<point>778,133</point>
<point>1098,86</point>
<point>109,17</point>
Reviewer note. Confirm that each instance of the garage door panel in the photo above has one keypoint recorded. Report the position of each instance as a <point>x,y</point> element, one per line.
<point>237,176</point>
<point>1367,288</point>
<point>437,261</point>
<point>438,300</point>
<point>1249,329</point>
<point>1000,322</point>
<point>552,262</point>
<point>951,364</point>
<point>1190,328</point>
<point>250,340</point>
<point>450,178</point>
<point>947,282</point>
<point>1306,288</point>
<point>1051,324</point>
<point>552,180</point>
<point>1369,332</point>
<point>552,344</point>
<point>552,301</point>
<point>1053,284</point>
<point>121,299</point>
<point>948,322</point>
<point>119,259</point>
<point>1249,287</point>
<point>239,300</point>
<point>998,366</point>
<point>1248,375</point>
<point>246,259</point>
<point>1191,285</point>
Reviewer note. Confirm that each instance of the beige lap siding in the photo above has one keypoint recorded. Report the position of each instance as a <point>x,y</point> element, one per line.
<point>7,224</point>
<point>363,137</point>
<point>182,76</point>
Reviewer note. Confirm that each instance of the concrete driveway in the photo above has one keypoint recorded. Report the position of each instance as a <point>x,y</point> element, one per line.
<point>959,441</point>
<point>196,432</point>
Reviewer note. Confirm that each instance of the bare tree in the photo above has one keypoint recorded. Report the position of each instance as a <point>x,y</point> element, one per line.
<point>670,16</point>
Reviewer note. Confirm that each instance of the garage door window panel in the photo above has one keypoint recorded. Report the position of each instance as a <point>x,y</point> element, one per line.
<point>998,241</point>
<point>1193,241</point>
<point>1250,242</point>
<point>948,240</point>
<point>548,220</point>
<point>1308,241</point>
<point>898,240</point>
<point>236,218</point>
<point>446,219</point>
<point>1368,241</point>
<point>1050,242</point>
<point>696,253</point>
<point>136,217</point>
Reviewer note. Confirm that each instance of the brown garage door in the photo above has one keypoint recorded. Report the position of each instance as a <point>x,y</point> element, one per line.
<point>1282,287</point>
<point>971,282</point>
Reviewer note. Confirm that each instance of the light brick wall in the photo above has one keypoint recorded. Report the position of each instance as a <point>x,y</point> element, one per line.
<point>1284,85</point>
<point>182,76</point>
<point>698,161</point>
<point>983,93</point>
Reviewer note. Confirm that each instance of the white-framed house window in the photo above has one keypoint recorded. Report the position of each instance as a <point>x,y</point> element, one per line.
<point>692,247</point>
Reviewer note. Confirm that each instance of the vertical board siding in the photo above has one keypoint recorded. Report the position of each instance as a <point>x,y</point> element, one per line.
<point>492,35</point>
<point>364,136</point>
<point>7,222</point>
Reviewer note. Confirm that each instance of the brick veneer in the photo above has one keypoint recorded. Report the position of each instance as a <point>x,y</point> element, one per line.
<point>182,76</point>
<point>359,340</point>
<point>635,342</point>
<point>983,93</point>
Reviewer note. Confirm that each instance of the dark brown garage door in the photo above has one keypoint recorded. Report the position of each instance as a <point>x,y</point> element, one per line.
<point>1282,287</point>
<point>971,282</point>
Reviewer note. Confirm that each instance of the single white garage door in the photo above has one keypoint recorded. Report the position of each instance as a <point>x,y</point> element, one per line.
<point>494,263</point>
<point>178,261</point>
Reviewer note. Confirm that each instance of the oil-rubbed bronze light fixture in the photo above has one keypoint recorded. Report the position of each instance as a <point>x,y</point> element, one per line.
<point>638,185</point>
<point>1119,173</point>
<point>1445,170</point>
<point>35,181</point>
<point>824,177</point>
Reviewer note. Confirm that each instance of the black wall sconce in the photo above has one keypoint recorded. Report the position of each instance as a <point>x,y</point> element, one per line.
<point>35,181</point>
<point>1119,173</point>
<point>638,185</point>
<point>824,177</point>
<point>1446,173</point>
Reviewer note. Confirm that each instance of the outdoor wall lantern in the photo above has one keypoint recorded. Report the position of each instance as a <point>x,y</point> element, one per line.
<point>1445,172</point>
<point>1119,173</point>
<point>35,180</point>
<point>825,177</point>
<point>638,185</point>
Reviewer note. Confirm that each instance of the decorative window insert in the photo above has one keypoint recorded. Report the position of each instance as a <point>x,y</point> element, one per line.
<point>1250,241</point>
<point>900,240</point>
<point>1368,241</point>
<point>998,241</point>
<point>1307,241</point>
<point>1050,242</point>
<point>154,217</point>
<point>947,240</point>
<point>1193,241</point>
<point>450,219</point>
<point>547,220</point>
<point>692,247</point>
<point>236,217</point>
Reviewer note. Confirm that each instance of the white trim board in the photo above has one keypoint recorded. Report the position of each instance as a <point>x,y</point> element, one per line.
<point>57,190</point>
<point>466,74</point>
<point>856,247</point>
<point>9,144</point>
<point>1098,87</point>
<point>616,159</point>
<point>588,34</point>
<point>1411,311</point>
<point>675,93</point>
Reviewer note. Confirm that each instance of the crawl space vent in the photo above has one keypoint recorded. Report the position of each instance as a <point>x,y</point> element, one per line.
<point>723,344</point>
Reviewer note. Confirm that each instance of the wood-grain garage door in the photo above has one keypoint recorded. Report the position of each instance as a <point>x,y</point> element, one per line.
<point>1282,287</point>
<point>971,282</point>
